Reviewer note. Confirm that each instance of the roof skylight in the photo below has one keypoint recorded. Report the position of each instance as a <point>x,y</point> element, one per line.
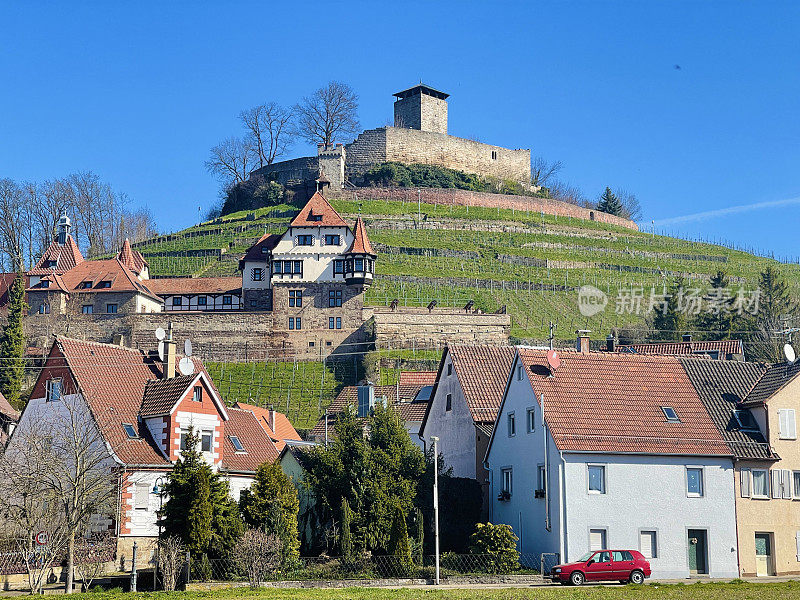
<point>670,414</point>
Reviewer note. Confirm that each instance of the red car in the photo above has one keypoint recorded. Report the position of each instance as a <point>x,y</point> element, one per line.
<point>604,565</point>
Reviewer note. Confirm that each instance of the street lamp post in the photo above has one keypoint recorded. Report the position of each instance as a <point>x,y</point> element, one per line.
<point>435,441</point>
<point>158,488</point>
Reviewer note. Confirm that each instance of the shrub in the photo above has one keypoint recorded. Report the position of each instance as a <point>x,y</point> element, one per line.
<point>498,543</point>
<point>399,546</point>
<point>258,554</point>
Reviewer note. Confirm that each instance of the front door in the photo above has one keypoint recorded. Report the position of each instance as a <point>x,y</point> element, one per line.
<point>698,552</point>
<point>764,555</point>
<point>601,569</point>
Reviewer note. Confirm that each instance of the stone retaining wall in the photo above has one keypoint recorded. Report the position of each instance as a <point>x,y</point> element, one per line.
<point>417,327</point>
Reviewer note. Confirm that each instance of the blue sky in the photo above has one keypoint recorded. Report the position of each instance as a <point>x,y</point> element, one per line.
<point>138,92</point>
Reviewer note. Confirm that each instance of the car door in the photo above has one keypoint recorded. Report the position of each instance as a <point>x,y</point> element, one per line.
<point>601,568</point>
<point>623,564</point>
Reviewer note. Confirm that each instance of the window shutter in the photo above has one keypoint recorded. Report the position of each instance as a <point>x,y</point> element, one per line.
<point>791,424</point>
<point>776,483</point>
<point>781,423</point>
<point>797,542</point>
<point>745,482</point>
<point>787,484</point>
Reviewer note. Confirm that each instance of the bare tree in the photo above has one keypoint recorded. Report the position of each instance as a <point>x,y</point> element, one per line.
<point>571,194</point>
<point>258,553</point>
<point>170,561</point>
<point>91,555</point>
<point>231,160</point>
<point>542,171</point>
<point>60,453</point>
<point>268,127</point>
<point>13,224</point>
<point>331,110</point>
<point>630,204</point>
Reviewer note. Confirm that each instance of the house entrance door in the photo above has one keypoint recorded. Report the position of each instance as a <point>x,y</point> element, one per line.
<point>698,552</point>
<point>764,555</point>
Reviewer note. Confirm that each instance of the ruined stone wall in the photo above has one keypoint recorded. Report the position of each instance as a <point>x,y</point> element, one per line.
<point>417,327</point>
<point>291,172</point>
<point>366,151</point>
<point>456,197</point>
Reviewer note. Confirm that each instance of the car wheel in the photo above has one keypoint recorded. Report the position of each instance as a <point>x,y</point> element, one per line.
<point>637,577</point>
<point>577,578</point>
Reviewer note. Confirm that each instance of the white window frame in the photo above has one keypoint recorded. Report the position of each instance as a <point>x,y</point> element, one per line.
<point>49,389</point>
<point>603,479</point>
<point>745,483</point>
<point>507,479</point>
<point>702,492</point>
<point>530,419</point>
<point>766,484</point>
<point>210,434</point>
<point>541,477</point>
<point>511,423</point>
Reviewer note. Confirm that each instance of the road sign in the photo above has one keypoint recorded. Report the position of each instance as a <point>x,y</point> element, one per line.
<point>42,538</point>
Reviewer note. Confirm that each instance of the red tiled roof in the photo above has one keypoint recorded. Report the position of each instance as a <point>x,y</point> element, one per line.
<point>611,402</point>
<point>121,277</point>
<point>6,281</point>
<point>721,346</point>
<point>360,243</point>
<point>318,213</point>
<point>195,285</point>
<point>131,258</point>
<point>417,378</point>
<point>160,395</point>
<point>283,427</point>
<point>257,445</point>
<point>482,372</point>
<point>254,252</point>
<point>8,410</point>
<point>66,257</point>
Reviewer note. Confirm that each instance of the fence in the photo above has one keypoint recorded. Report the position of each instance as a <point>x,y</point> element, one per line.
<point>380,567</point>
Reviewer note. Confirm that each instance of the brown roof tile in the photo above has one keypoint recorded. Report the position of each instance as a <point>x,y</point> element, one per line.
<point>417,378</point>
<point>267,242</point>
<point>95,271</point>
<point>722,346</point>
<point>318,213</point>
<point>195,285</point>
<point>360,243</point>
<point>131,258</point>
<point>257,444</point>
<point>8,410</point>
<point>160,395</point>
<point>611,402</point>
<point>283,429</point>
<point>482,372</point>
<point>66,257</point>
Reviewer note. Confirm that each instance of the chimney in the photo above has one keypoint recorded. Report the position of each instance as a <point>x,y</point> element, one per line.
<point>611,343</point>
<point>168,368</point>
<point>582,344</point>
<point>687,337</point>
<point>272,419</point>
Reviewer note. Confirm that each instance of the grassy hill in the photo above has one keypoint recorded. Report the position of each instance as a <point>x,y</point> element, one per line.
<point>532,264</point>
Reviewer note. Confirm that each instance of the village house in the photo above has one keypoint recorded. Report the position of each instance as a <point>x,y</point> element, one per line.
<point>595,450</point>
<point>464,401</point>
<point>714,349</point>
<point>755,407</point>
<point>143,411</point>
<point>275,424</point>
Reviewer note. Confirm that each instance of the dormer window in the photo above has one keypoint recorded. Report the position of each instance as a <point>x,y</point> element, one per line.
<point>197,394</point>
<point>264,250</point>
<point>236,443</point>
<point>51,264</point>
<point>745,420</point>
<point>315,218</point>
<point>104,285</point>
<point>130,431</point>
<point>670,414</point>
<point>44,283</point>
<point>85,285</point>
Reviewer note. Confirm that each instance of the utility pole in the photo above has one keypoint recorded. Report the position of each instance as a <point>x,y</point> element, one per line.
<point>435,441</point>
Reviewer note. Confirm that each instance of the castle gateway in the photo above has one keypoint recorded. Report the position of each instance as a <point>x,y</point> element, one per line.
<point>419,136</point>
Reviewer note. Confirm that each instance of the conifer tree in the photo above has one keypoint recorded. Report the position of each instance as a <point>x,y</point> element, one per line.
<point>271,504</point>
<point>346,538</point>
<point>669,320</point>
<point>715,320</point>
<point>609,203</point>
<point>776,309</point>
<point>12,345</point>
<point>399,546</point>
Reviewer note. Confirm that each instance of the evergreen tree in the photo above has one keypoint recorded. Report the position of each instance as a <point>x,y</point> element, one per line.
<point>346,538</point>
<point>715,321</point>
<point>399,546</point>
<point>668,320</point>
<point>271,504</point>
<point>776,309</point>
<point>12,345</point>
<point>609,203</point>
<point>420,535</point>
<point>199,510</point>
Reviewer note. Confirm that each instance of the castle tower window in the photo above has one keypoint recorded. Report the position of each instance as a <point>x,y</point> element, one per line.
<point>277,267</point>
<point>44,309</point>
<point>334,298</point>
<point>494,155</point>
<point>227,301</point>
<point>296,298</point>
<point>202,300</point>
<point>331,322</point>
<point>111,308</point>
<point>257,274</point>
<point>338,267</point>
<point>177,300</point>
<point>332,240</point>
<point>359,265</point>
<point>298,267</point>
<point>338,322</point>
<point>305,240</point>
<point>291,322</point>
<point>87,309</point>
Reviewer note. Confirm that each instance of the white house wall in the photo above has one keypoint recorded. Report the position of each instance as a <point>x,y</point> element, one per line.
<point>455,428</point>
<point>201,422</point>
<point>649,493</point>
<point>213,303</point>
<point>142,521</point>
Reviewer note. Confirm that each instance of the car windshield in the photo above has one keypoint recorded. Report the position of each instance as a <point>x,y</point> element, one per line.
<point>586,557</point>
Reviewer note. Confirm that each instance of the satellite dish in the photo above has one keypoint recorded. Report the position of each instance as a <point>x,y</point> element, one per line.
<point>161,350</point>
<point>160,333</point>
<point>187,347</point>
<point>186,366</point>
<point>553,359</point>
<point>788,352</point>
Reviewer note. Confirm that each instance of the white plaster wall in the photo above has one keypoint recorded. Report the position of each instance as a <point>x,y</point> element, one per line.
<point>317,258</point>
<point>143,521</point>
<point>455,429</point>
<point>238,484</point>
<point>247,275</point>
<point>649,492</point>
<point>201,422</point>
<point>158,430</point>
<point>189,303</point>
<point>145,304</point>
<point>523,453</point>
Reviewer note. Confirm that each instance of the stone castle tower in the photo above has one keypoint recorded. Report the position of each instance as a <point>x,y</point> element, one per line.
<point>421,107</point>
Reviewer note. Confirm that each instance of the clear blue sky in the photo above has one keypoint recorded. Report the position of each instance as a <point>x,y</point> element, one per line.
<point>138,92</point>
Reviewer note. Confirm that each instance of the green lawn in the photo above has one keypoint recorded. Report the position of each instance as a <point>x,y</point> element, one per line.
<point>697,591</point>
